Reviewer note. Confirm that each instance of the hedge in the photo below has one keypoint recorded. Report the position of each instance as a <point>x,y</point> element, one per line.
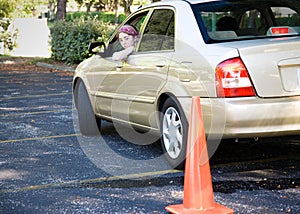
<point>101,16</point>
<point>70,39</point>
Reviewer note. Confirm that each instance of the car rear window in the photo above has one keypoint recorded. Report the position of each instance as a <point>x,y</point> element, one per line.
<point>248,19</point>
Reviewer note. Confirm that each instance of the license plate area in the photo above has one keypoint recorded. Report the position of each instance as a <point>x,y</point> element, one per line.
<point>289,70</point>
<point>290,78</point>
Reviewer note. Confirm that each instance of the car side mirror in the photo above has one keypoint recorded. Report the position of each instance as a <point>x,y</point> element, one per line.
<point>96,47</point>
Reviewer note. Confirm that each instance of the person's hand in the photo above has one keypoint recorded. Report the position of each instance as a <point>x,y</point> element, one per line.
<point>122,55</point>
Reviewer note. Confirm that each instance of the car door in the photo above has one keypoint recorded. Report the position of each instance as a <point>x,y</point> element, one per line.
<point>146,70</point>
<point>109,80</point>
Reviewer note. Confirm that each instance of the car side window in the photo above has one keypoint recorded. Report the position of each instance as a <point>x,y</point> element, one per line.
<point>159,32</point>
<point>136,21</point>
<point>286,16</point>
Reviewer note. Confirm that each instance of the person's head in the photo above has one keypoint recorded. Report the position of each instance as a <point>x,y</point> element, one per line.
<point>127,36</point>
<point>227,23</point>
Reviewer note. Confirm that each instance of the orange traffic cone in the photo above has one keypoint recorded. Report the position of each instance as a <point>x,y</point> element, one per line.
<point>198,192</point>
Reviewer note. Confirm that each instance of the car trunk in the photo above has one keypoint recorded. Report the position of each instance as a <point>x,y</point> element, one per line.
<point>273,65</point>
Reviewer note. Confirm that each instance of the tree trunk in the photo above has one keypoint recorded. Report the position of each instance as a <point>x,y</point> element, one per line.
<point>51,10</point>
<point>88,7</point>
<point>61,9</point>
<point>127,5</point>
<point>116,2</point>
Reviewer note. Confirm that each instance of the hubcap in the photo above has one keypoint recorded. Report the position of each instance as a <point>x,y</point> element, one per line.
<point>172,132</point>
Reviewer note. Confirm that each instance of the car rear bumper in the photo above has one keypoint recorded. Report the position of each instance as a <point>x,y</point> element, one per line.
<point>251,117</point>
<point>256,117</point>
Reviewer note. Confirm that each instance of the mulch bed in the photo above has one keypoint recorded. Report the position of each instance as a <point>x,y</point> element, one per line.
<point>20,64</point>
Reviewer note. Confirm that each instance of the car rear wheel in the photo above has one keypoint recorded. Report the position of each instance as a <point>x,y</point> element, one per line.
<point>174,128</point>
<point>88,123</point>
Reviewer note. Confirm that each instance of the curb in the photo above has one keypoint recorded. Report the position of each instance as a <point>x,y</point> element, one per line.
<point>57,67</point>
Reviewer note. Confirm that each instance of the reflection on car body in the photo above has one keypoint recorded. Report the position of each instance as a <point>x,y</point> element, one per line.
<point>247,78</point>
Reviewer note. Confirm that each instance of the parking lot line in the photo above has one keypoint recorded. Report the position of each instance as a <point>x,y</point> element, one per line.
<point>102,182</point>
<point>38,138</point>
<point>35,96</point>
<point>75,183</point>
<point>31,113</point>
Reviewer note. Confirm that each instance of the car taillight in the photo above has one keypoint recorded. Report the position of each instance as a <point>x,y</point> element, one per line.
<point>280,30</point>
<point>232,79</point>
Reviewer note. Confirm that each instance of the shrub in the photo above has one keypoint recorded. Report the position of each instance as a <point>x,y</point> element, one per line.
<point>8,35</point>
<point>70,39</point>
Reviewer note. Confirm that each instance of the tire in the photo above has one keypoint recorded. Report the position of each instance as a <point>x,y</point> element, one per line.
<point>174,131</point>
<point>89,125</point>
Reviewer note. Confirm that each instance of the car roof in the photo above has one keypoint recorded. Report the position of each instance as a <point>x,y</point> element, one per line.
<point>174,2</point>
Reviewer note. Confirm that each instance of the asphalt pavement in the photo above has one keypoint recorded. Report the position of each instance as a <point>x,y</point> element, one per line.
<point>48,167</point>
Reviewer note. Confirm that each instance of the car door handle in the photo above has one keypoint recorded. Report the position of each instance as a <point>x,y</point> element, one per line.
<point>119,67</point>
<point>161,64</point>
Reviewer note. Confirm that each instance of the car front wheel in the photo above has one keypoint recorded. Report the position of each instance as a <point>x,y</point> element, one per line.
<point>174,128</point>
<point>88,123</point>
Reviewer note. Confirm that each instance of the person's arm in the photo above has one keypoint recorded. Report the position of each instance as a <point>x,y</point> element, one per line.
<point>122,55</point>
